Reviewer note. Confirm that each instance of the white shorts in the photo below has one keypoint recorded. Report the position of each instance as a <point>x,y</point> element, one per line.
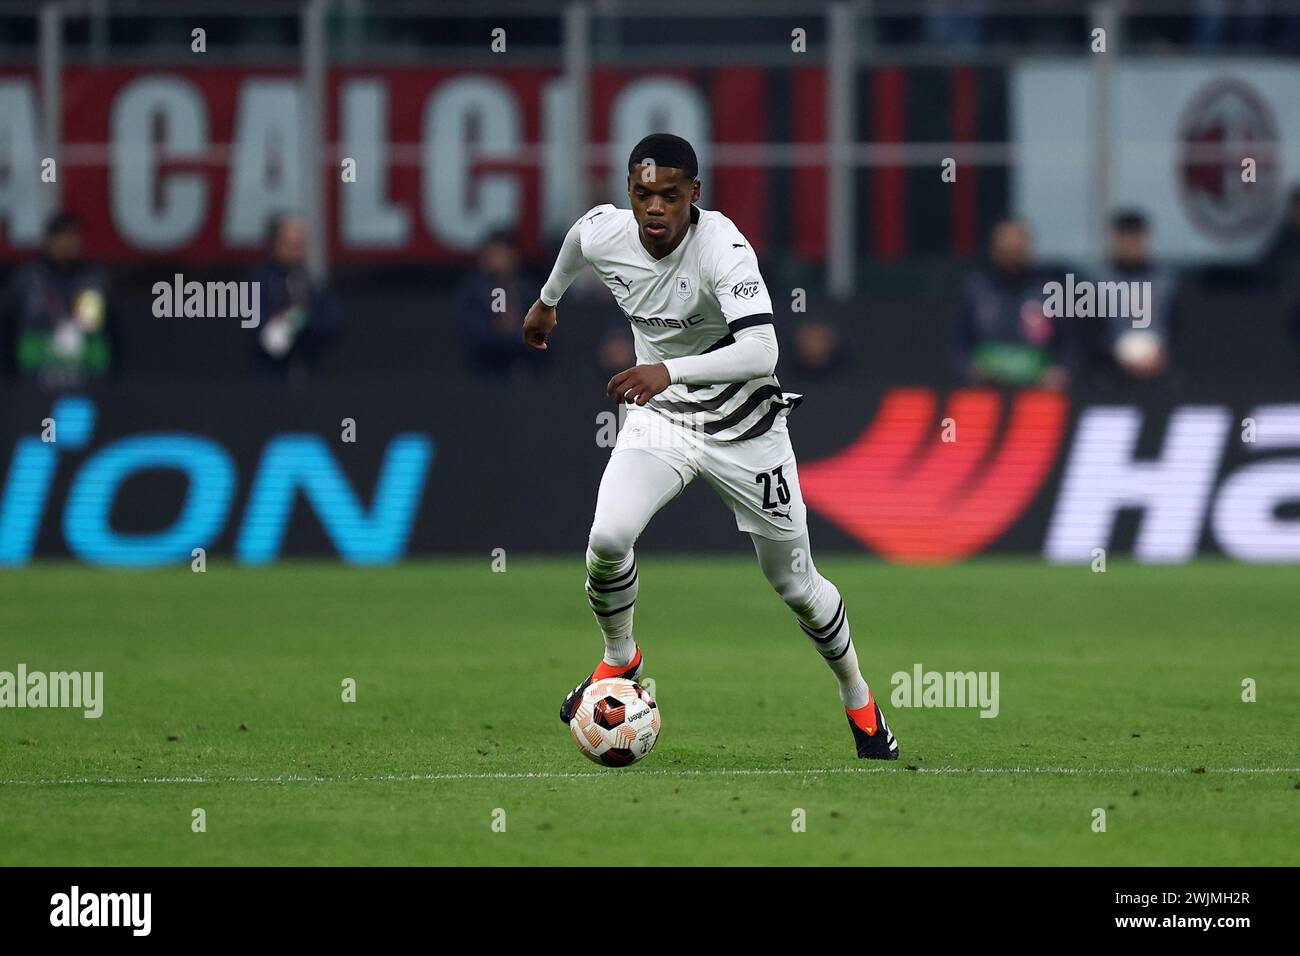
<point>757,477</point>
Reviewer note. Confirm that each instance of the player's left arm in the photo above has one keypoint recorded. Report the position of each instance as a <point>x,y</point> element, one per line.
<point>745,304</point>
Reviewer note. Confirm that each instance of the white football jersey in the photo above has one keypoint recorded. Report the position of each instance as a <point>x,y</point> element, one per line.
<point>690,302</point>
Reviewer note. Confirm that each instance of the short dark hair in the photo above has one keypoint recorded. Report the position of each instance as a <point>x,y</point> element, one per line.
<point>62,222</point>
<point>1129,220</point>
<point>668,151</point>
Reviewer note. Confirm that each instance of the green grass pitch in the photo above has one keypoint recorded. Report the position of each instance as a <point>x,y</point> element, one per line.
<point>223,692</point>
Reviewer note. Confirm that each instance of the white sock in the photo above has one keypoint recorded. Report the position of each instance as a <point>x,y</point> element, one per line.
<point>817,605</point>
<point>611,592</point>
<point>835,644</point>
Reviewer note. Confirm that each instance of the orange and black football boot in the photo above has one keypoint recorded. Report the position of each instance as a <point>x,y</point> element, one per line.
<point>874,739</point>
<point>630,671</point>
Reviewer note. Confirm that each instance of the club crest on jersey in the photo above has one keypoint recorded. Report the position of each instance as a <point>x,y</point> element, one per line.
<point>683,288</point>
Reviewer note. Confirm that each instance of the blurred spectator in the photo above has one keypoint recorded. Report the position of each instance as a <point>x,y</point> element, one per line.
<point>978,22</point>
<point>1293,329</point>
<point>955,22</point>
<point>1004,335</point>
<point>615,351</point>
<point>55,312</point>
<point>1136,353</point>
<point>817,351</point>
<point>1236,22</point>
<point>1281,263</point>
<point>1281,266</point>
<point>299,316</point>
<point>491,306</point>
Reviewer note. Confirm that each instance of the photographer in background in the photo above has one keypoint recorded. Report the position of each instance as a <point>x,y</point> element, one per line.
<point>1004,336</point>
<point>55,313</point>
<point>300,317</point>
<point>1119,349</point>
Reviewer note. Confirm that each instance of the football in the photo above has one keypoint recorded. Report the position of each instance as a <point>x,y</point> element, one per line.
<point>616,723</point>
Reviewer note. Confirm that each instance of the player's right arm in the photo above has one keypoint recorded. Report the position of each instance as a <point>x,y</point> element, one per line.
<point>737,284</point>
<point>540,319</point>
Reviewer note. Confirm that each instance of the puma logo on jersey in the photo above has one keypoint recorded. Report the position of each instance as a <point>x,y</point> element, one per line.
<point>775,513</point>
<point>617,278</point>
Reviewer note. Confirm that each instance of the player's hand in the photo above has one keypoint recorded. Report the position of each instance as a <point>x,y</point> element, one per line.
<point>638,384</point>
<point>538,324</point>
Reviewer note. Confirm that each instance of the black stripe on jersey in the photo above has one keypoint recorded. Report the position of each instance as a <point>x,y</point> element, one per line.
<point>704,405</point>
<point>695,214</point>
<point>764,423</point>
<point>756,398</point>
<point>727,339</point>
<point>749,321</point>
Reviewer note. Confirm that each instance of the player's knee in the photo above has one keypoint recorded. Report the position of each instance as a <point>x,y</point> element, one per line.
<point>795,589</point>
<point>610,543</point>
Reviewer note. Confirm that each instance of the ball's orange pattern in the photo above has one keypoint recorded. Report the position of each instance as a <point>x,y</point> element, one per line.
<point>616,722</point>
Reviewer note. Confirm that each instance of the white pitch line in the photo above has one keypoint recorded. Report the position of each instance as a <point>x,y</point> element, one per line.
<point>598,775</point>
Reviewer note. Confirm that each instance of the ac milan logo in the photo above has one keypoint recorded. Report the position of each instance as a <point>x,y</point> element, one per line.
<point>1225,124</point>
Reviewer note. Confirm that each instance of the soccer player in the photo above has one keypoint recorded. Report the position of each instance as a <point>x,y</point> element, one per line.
<point>702,401</point>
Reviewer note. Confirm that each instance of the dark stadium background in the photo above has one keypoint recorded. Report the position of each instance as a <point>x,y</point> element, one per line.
<point>326,575</point>
<point>515,462</point>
